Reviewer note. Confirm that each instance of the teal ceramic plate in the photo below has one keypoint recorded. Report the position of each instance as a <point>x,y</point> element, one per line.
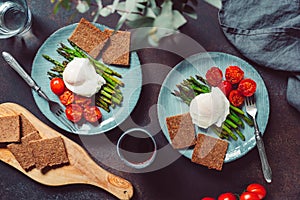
<point>169,105</point>
<point>131,76</point>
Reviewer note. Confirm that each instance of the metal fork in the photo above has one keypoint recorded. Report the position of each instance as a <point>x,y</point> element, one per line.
<point>55,107</point>
<point>252,111</point>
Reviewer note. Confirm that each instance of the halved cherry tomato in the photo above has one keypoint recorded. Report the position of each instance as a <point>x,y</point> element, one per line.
<point>236,98</point>
<point>57,86</point>
<point>227,196</point>
<point>214,76</point>
<point>225,86</point>
<point>92,113</point>
<point>258,189</point>
<point>67,97</point>
<point>74,112</point>
<point>247,87</point>
<point>234,74</point>
<point>83,101</point>
<point>249,196</point>
<point>208,198</point>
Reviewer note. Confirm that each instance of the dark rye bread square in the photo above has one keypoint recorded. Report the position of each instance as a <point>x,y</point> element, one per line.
<point>10,128</point>
<point>88,37</point>
<point>22,152</point>
<point>26,127</point>
<point>181,130</point>
<point>118,52</point>
<point>49,152</point>
<point>209,151</point>
<point>92,40</point>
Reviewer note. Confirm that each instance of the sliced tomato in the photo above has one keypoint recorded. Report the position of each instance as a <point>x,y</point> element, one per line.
<point>92,113</point>
<point>225,86</point>
<point>258,189</point>
<point>57,86</point>
<point>74,112</point>
<point>67,97</point>
<point>83,101</point>
<point>234,74</point>
<point>227,196</point>
<point>236,98</point>
<point>214,76</point>
<point>247,87</point>
<point>249,196</point>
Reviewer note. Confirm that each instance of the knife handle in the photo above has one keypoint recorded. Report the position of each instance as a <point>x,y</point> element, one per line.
<point>267,172</point>
<point>17,67</point>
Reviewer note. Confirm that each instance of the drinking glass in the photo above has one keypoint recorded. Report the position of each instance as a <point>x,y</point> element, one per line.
<point>15,18</point>
<point>136,148</point>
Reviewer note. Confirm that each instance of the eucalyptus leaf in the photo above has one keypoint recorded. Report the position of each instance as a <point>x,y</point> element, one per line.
<point>149,13</point>
<point>121,21</point>
<point>178,19</point>
<point>114,5</point>
<point>190,11</point>
<point>82,6</point>
<point>130,5</point>
<point>141,22</point>
<point>104,12</point>
<point>165,19</point>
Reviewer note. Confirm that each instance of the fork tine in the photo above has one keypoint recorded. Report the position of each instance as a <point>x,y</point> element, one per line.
<point>66,123</point>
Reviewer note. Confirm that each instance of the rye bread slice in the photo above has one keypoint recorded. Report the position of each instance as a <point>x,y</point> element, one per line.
<point>49,152</point>
<point>181,130</point>
<point>88,37</point>
<point>118,51</point>
<point>26,127</point>
<point>10,128</point>
<point>22,152</point>
<point>210,151</point>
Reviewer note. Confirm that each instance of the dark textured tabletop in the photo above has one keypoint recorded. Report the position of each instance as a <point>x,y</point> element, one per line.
<point>180,179</point>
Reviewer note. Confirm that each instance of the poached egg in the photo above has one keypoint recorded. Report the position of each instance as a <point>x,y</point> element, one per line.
<point>209,108</point>
<point>81,77</point>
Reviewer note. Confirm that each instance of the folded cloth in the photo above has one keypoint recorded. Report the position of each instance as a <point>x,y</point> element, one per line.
<point>267,33</point>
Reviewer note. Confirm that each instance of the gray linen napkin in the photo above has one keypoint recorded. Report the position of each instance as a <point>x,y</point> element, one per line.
<point>268,33</point>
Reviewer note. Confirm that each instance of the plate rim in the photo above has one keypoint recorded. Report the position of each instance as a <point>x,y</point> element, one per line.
<point>211,54</point>
<point>137,89</point>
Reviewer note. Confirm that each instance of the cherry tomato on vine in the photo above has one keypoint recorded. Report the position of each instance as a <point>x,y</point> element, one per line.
<point>92,113</point>
<point>258,189</point>
<point>67,97</point>
<point>225,86</point>
<point>236,98</point>
<point>247,87</point>
<point>57,86</point>
<point>227,196</point>
<point>234,74</point>
<point>74,112</point>
<point>214,76</point>
<point>249,196</point>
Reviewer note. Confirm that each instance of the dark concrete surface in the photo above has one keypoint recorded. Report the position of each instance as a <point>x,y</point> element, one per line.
<point>181,179</point>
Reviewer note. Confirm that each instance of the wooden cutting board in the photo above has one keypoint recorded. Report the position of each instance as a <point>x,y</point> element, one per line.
<point>81,170</point>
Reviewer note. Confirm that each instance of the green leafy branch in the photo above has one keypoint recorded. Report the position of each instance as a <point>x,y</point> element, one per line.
<point>164,16</point>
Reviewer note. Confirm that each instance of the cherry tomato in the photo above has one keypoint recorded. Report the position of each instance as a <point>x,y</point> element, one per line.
<point>234,74</point>
<point>258,189</point>
<point>214,76</point>
<point>83,101</point>
<point>249,196</point>
<point>227,196</point>
<point>225,86</point>
<point>247,87</point>
<point>57,86</point>
<point>236,98</point>
<point>67,97</point>
<point>208,198</point>
<point>92,113</point>
<point>74,112</point>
